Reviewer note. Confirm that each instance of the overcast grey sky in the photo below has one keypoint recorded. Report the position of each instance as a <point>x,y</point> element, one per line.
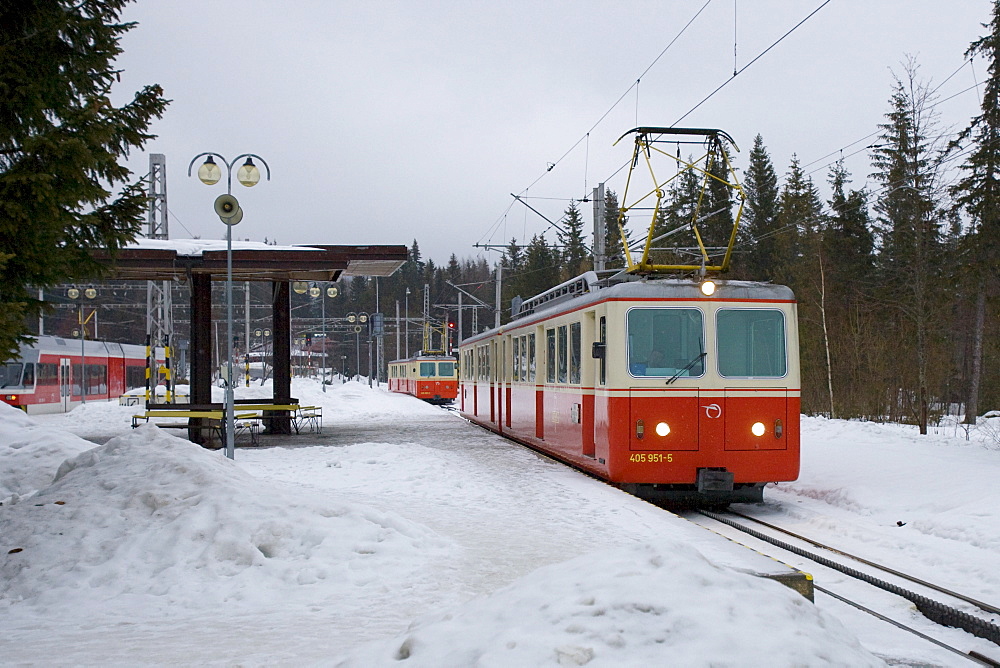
<point>388,121</point>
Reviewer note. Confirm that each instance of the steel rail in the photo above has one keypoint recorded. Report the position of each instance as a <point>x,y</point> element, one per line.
<point>986,607</point>
<point>934,610</point>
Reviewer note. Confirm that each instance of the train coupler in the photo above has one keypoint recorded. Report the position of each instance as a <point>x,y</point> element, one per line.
<point>715,480</point>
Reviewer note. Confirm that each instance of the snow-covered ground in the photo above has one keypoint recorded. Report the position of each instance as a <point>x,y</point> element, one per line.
<point>404,536</point>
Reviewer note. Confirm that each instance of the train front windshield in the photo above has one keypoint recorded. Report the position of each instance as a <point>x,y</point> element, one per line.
<point>751,343</point>
<point>666,342</point>
<point>10,375</point>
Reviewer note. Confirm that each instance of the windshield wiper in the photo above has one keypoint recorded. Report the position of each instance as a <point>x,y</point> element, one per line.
<point>690,364</point>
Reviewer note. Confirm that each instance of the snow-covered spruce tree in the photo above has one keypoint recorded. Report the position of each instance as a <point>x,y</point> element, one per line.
<point>61,140</point>
<point>978,192</point>
<point>795,263</point>
<point>909,263</point>
<point>575,257</point>
<point>760,216</point>
<point>613,247</point>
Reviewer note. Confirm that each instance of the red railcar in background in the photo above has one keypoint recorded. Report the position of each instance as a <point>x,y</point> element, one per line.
<point>433,378</point>
<point>52,374</point>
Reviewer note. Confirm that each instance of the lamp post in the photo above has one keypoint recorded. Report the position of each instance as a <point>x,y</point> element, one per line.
<point>406,327</point>
<point>357,320</point>
<point>76,295</point>
<point>331,292</point>
<point>229,211</point>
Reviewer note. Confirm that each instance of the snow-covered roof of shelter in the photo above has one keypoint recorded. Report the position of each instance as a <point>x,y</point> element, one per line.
<point>199,246</point>
<point>170,259</point>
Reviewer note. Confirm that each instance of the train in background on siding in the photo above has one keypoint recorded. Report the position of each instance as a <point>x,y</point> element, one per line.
<point>652,384</point>
<point>52,374</point>
<point>431,377</point>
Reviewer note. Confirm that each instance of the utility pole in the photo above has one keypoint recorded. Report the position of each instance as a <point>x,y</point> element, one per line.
<point>600,230</point>
<point>496,314</point>
<point>159,322</point>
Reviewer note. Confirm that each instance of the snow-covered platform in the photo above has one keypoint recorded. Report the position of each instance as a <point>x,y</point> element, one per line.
<point>399,533</point>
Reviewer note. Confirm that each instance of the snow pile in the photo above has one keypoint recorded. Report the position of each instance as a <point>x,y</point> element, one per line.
<point>645,605</point>
<point>151,515</point>
<point>31,453</point>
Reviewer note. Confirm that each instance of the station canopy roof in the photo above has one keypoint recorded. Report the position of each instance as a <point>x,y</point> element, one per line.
<point>176,259</point>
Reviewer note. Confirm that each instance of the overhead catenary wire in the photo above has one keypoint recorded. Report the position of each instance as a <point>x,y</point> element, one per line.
<point>586,135</point>
<point>758,57</point>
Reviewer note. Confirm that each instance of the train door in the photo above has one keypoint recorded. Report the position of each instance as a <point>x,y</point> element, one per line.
<point>498,374</point>
<point>64,383</point>
<point>508,381</point>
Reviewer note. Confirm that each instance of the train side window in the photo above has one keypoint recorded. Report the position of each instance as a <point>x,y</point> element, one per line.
<point>48,374</point>
<point>574,352</point>
<point>97,379</point>
<point>604,340</point>
<point>524,358</point>
<point>135,376</point>
<point>562,352</point>
<point>550,355</point>
<point>531,358</point>
<point>751,343</point>
<point>516,358</point>
<point>666,342</point>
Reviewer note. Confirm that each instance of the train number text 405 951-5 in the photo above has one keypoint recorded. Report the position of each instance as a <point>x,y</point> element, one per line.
<point>650,458</point>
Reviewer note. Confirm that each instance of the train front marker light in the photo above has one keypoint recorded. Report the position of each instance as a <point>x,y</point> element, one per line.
<point>758,429</point>
<point>662,429</point>
<point>708,288</point>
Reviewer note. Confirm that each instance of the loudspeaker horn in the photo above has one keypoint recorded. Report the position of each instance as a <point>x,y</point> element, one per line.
<point>226,207</point>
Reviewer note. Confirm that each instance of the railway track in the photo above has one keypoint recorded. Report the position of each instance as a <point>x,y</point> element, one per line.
<point>936,611</point>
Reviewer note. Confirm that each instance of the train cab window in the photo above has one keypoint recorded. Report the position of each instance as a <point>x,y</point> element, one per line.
<point>666,342</point>
<point>28,378</point>
<point>427,369</point>
<point>10,375</point>
<point>751,343</point>
<point>550,356</point>
<point>446,368</point>
<point>574,352</point>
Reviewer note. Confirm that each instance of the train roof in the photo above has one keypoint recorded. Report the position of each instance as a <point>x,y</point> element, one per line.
<point>588,288</point>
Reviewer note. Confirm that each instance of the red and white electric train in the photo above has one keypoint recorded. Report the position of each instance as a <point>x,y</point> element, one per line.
<point>648,383</point>
<point>433,378</point>
<point>51,375</point>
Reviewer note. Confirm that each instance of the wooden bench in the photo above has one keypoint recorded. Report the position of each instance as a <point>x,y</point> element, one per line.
<point>302,417</point>
<point>215,420</point>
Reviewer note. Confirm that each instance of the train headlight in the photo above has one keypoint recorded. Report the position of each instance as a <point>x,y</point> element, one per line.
<point>708,288</point>
<point>758,429</point>
<point>662,429</point>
